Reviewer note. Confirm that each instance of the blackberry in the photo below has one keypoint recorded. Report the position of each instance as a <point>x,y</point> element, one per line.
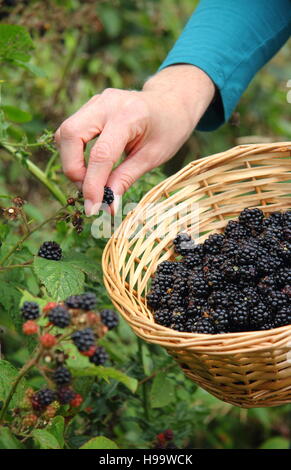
<point>250,295</point>
<point>204,325</point>
<point>162,282</point>
<point>163,316</point>
<point>251,218</point>
<point>50,250</point>
<point>220,319</point>
<point>213,244</point>
<point>108,196</point>
<point>154,298</point>
<point>86,301</point>
<point>198,285</point>
<point>30,310</point>
<point>277,300</point>
<point>192,259</point>
<point>268,326</point>
<point>215,279</point>
<point>176,300</point>
<point>83,339</point>
<point>183,243</point>
<point>246,255</point>
<point>45,397</point>
<point>218,298</point>
<point>65,395</point>
<point>109,318</point>
<point>178,323</point>
<point>196,306</point>
<point>62,376</point>
<point>283,277</point>
<point>59,316</point>
<point>267,285</point>
<point>239,317</point>
<point>259,316</point>
<point>99,357</point>
<point>236,231</point>
<point>283,317</point>
<point>181,285</point>
<point>284,251</point>
<point>275,218</point>
<point>230,247</point>
<point>167,267</point>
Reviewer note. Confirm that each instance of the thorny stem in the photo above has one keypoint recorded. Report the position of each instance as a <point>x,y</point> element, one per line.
<point>21,374</point>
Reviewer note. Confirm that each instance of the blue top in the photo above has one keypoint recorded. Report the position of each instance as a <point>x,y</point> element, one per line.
<point>231,40</point>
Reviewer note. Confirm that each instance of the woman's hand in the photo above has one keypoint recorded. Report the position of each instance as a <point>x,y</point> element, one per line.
<point>149,126</point>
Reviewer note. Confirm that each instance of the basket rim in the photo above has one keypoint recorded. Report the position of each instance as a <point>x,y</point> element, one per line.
<point>178,340</point>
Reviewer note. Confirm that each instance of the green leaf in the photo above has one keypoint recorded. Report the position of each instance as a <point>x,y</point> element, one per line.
<point>16,115</point>
<point>8,374</point>
<point>87,265</point>
<point>45,439</point>
<point>111,20</point>
<point>15,43</point>
<point>276,443</point>
<point>107,373</point>
<point>57,429</point>
<point>99,442</point>
<point>7,440</point>
<point>162,391</point>
<point>60,278</point>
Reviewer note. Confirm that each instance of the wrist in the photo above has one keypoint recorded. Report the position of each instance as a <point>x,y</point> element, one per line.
<point>188,85</point>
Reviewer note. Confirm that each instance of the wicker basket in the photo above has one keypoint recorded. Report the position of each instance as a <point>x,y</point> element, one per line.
<point>250,369</point>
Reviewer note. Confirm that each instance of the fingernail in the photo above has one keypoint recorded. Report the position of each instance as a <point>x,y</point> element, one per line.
<point>90,208</point>
<point>116,203</point>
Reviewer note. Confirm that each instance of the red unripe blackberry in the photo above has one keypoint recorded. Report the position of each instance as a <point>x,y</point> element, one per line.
<point>71,201</point>
<point>30,328</point>
<point>30,310</point>
<point>76,401</point>
<point>49,306</point>
<point>99,357</point>
<point>59,316</point>
<point>90,352</point>
<point>108,196</point>
<point>109,318</point>
<point>62,376</point>
<point>50,250</point>
<point>83,339</point>
<point>48,340</point>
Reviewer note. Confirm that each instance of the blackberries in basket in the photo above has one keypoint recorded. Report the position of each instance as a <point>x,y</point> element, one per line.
<point>238,280</point>
<point>30,310</point>
<point>108,196</point>
<point>50,250</point>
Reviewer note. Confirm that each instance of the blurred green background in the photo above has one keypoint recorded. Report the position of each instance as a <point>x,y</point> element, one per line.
<point>82,47</point>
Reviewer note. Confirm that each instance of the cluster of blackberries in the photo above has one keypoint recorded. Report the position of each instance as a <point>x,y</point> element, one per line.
<point>50,250</point>
<point>108,196</point>
<point>236,281</point>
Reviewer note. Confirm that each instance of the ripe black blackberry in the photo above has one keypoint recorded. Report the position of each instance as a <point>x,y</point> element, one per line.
<point>275,218</point>
<point>283,277</point>
<point>259,316</point>
<point>283,317</point>
<point>86,301</point>
<point>65,395</point>
<point>247,254</point>
<point>62,376</point>
<point>99,357</point>
<point>215,278</point>
<point>181,285</point>
<point>239,317</point>
<point>196,306</point>
<point>30,310</point>
<point>167,267</point>
<point>44,397</point>
<point>163,316</point>
<point>220,319</point>
<point>50,250</point>
<point>162,282</point>
<point>59,316</point>
<point>109,318</point>
<point>154,298</point>
<point>213,244</point>
<point>198,285</point>
<point>204,325</point>
<point>108,196</point>
<point>183,243</point>
<point>192,259</point>
<point>277,300</point>
<point>251,218</point>
<point>83,339</point>
<point>236,231</point>
<point>250,295</point>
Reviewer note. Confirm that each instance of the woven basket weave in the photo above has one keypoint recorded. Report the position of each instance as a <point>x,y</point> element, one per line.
<point>250,369</point>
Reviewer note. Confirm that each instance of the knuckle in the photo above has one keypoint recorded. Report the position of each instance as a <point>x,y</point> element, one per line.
<point>137,106</point>
<point>126,180</point>
<point>100,152</point>
<point>68,129</point>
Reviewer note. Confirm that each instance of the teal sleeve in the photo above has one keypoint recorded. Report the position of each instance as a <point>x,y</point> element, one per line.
<point>231,40</point>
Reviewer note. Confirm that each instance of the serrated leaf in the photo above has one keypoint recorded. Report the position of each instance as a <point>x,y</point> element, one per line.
<point>162,391</point>
<point>9,299</point>
<point>8,374</point>
<point>45,439</point>
<point>57,429</point>
<point>15,43</point>
<point>107,373</point>
<point>99,442</point>
<point>60,278</point>
<point>88,265</point>
<point>7,440</point>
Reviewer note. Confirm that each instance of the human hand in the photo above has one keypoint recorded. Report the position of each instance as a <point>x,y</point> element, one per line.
<point>149,126</point>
